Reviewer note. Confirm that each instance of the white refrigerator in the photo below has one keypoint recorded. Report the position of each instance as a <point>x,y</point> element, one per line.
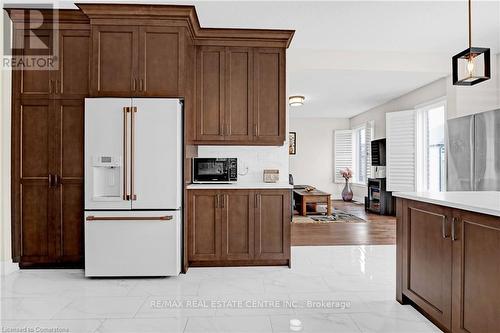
<point>133,186</point>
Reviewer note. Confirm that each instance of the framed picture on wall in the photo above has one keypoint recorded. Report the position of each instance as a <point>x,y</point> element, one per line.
<point>292,148</point>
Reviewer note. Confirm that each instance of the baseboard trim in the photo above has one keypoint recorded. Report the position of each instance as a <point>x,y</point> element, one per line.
<point>8,267</point>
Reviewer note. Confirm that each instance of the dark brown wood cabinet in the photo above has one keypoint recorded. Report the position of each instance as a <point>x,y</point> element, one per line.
<point>239,227</point>
<point>427,251</point>
<point>449,266</point>
<point>204,237</point>
<point>161,54</point>
<point>272,236</point>
<point>47,143</point>
<point>68,77</point>
<point>241,96</point>
<point>210,97</point>
<point>476,273</point>
<point>114,60</point>
<point>136,60</point>
<point>269,96</point>
<point>48,182</point>
<point>71,81</point>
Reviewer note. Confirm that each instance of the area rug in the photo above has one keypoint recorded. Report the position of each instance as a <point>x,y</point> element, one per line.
<point>337,216</point>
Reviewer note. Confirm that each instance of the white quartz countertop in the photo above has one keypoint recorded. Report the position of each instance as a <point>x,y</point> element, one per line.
<point>485,202</point>
<point>236,186</point>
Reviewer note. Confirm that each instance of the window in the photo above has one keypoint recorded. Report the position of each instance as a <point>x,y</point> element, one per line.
<point>362,137</point>
<point>352,150</point>
<point>359,160</point>
<point>431,165</point>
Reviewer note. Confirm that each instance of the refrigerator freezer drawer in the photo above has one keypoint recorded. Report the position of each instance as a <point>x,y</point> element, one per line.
<point>131,243</point>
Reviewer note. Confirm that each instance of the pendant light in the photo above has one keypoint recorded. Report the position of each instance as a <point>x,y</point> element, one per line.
<point>472,65</point>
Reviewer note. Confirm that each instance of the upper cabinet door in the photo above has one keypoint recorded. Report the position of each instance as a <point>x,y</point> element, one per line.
<point>239,94</point>
<point>34,82</point>
<point>160,61</point>
<point>269,96</point>
<point>72,78</point>
<point>210,94</point>
<point>114,60</point>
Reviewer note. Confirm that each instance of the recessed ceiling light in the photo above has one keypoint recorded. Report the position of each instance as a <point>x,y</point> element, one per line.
<point>296,100</point>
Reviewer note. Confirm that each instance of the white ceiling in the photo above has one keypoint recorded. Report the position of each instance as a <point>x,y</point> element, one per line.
<point>349,56</point>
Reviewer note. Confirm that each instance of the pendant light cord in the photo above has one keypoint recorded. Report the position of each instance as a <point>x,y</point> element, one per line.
<point>470,24</point>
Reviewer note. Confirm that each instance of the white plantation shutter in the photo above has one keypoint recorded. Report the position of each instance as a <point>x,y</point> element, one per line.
<point>369,132</point>
<point>343,152</point>
<point>401,150</point>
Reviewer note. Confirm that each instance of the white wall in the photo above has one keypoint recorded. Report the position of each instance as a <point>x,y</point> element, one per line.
<point>255,158</point>
<point>314,162</point>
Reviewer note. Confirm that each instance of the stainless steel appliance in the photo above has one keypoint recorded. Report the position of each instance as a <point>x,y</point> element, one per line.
<point>215,170</point>
<point>474,152</point>
<point>133,186</point>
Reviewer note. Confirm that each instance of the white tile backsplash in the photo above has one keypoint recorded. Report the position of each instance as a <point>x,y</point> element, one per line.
<point>252,158</point>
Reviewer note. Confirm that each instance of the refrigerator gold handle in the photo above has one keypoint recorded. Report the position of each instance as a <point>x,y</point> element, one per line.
<point>133,196</point>
<point>125,157</point>
<point>129,218</point>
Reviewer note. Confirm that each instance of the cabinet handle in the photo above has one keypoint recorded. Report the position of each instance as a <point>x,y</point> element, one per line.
<point>256,200</point>
<point>57,180</point>
<point>255,129</point>
<point>453,236</point>
<point>126,110</point>
<point>223,201</point>
<point>217,201</point>
<point>134,84</point>
<point>50,86</point>
<point>443,227</point>
<point>49,178</point>
<point>57,87</point>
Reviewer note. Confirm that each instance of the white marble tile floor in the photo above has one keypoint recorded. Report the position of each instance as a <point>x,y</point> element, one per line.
<point>328,289</point>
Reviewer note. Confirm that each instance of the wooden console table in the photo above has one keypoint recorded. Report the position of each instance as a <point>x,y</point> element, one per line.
<point>303,197</point>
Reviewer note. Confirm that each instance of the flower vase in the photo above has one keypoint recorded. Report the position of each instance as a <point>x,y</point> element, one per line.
<point>347,192</point>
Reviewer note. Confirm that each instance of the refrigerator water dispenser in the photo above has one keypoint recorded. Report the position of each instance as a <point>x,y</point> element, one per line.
<point>107,177</point>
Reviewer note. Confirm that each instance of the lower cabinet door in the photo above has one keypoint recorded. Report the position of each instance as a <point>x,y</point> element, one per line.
<point>272,224</point>
<point>476,273</point>
<point>237,225</point>
<point>427,259</point>
<point>204,225</point>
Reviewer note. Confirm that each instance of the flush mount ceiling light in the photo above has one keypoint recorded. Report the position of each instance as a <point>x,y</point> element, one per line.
<point>296,100</point>
<point>472,65</point>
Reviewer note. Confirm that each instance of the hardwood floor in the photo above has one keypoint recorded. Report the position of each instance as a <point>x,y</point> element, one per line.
<point>379,230</point>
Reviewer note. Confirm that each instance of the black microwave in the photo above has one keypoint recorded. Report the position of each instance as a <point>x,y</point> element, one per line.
<point>215,170</point>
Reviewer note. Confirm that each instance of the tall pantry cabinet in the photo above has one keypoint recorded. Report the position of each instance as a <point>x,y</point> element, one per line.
<point>47,140</point>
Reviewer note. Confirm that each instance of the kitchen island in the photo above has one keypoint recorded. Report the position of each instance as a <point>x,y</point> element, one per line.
<point>448,258</point>
<point>238,224</point>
